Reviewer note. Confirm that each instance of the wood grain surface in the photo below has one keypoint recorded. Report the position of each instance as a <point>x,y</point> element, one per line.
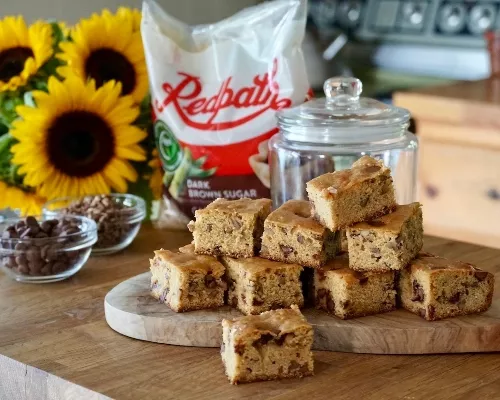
<point>131,311</point>
<point>61,344</point>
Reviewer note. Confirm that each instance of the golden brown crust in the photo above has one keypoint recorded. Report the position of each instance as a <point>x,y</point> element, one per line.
<point>435,264</point>
<point>255,265</point>
<point>390,222</point>
<point>362,170</point>
<point>192,262</point>
<point>276,322</point>
<point>240,206</point>
<point>339,265</point>
<point>187,249</point>
<point>296,213</point>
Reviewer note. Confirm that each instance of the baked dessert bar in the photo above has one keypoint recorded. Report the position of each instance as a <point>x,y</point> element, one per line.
<point>436,288</point>
<point>187,249</point>
<point>342,198</point>
<point>349,294</point>
<point>273,345</point>
<point>230,227</point>
<point>388,242</point>
<point>292,235</point>
<point>187,281</point>
<point>257,285</point>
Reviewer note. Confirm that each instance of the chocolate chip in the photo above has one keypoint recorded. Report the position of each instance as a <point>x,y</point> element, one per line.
<point>481,275</point>
<point>239,348</point>
<point>300,238</point>
<point>346,303</point>
<point>455,298</point>
<point>257,302</point>
<point>376,223</point>
<point>234,301</point>
<point>210,281</point>
<point>418,292</point>
<point>286,250</point>
<point>360,277</point>
<point>431,312</point>
<point>281,339</point>
<point>263,340</point>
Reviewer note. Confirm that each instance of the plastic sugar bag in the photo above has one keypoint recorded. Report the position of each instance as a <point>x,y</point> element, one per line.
<point>215,90</point>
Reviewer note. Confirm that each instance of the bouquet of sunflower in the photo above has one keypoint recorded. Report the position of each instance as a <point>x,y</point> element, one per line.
<point>74,110</point>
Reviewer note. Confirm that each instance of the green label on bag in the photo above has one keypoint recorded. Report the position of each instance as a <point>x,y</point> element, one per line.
<point>171,153</point>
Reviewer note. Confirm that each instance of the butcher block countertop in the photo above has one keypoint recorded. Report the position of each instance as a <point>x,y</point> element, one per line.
<point>55,344</point>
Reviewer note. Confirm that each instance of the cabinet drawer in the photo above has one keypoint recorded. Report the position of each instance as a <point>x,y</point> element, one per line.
<point>459,188</point>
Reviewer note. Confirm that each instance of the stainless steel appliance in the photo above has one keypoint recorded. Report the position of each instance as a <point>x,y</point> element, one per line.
<point>435,38</point>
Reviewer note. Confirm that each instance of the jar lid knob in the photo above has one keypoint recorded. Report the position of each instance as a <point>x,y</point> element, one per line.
<point>342,90</point>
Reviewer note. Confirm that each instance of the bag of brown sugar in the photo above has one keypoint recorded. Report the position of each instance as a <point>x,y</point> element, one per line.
<point>215,90</point>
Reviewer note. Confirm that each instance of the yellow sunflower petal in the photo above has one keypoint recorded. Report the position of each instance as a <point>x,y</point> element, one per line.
<point>27,203</point>
<point>31,44</point>
<point>108,47</point>
<point>70,122</point>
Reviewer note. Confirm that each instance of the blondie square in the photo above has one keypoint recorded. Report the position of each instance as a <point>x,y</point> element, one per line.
<point>187,249</point>
<point>387,243</point>
<point>257,285</point>
<point>292,235</point>
<point>273,345</point>
<point>230,227</point>
<point>350,294</point>
<point>436,288</point>
<point>342,198</point>
<point>187,281</point>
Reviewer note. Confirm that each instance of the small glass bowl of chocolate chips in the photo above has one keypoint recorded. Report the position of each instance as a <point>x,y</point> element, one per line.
<point>118,217</point>
<point>41,249</point>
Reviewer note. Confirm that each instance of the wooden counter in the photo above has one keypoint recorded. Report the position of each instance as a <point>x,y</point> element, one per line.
<point>55,344</point>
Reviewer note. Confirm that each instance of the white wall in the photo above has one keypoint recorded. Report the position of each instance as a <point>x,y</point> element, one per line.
<point>191,11</point>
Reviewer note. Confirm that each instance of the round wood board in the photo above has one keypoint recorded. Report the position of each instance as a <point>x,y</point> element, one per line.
<point>131,311</point>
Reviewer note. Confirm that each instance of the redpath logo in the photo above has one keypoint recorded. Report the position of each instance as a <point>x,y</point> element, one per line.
<point>186,98</point>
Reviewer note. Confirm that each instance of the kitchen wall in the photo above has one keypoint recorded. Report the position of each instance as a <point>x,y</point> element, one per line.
<point>192,11</point>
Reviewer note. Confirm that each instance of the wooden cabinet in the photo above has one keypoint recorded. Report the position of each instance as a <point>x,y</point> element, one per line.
<point>459,160</point>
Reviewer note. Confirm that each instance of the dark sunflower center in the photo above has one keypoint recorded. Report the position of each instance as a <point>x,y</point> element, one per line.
<point>80,143</point>
<point>12,62</point>
<point>105,64</point>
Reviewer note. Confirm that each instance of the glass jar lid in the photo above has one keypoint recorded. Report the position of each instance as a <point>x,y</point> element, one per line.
<point>343,116</point>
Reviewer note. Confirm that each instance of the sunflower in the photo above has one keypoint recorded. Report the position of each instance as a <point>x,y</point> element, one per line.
<point>105,48</point>
<point>23,51</point>
<point>78,139</point>
<point>156,177</point>
<point>131,16</point>
<point>17,199</point>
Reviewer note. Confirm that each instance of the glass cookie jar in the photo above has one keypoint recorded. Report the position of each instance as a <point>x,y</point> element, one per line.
<point>331,133</point>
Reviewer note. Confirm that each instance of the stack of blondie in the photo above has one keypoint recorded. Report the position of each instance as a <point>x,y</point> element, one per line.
<point>268,264</point>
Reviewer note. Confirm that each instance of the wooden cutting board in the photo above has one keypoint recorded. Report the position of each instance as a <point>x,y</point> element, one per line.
<point>131,311</point>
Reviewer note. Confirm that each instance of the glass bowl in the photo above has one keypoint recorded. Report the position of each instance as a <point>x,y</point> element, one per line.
<point>48,259</point>
<point>116,227</point>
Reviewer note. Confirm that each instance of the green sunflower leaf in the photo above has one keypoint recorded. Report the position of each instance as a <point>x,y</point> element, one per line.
<point>8,103</point>
<point>57,34</point>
